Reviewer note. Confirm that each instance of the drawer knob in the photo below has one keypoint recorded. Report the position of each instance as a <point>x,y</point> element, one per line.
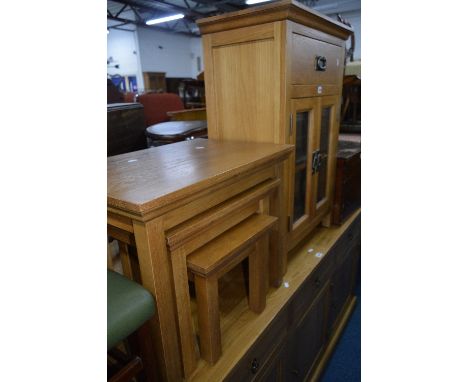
<point>320,63</point>
<point>254,366</point>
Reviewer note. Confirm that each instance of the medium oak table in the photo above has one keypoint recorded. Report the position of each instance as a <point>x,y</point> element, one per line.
<point>157,199</point>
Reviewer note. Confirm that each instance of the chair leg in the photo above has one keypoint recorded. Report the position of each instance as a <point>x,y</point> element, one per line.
<point>258,278</point>
<point>128,372</point>
<point>206,290</point>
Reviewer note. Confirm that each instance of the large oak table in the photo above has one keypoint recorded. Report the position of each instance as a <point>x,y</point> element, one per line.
<point>156,191</point>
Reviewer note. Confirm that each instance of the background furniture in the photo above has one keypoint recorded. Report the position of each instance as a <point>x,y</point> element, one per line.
<point>113,93</point>
<point>129,307</point>
<point>198,114</point>
<point>170,201</point>
<point>157,105</point>
<point>351,113</point>
<point>173,85</point>
<point>126,130</point>
<point>274,74</point>
<point>154,81</point>
<point>348,180</point>
<point>193,93</point>
<point>175,131</point>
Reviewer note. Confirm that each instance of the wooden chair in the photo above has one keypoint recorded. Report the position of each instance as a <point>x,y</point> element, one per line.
<point>247,239</point>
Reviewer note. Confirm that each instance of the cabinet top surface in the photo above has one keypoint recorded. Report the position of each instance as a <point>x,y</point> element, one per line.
<point>141,181</point>
<point>277,11</point>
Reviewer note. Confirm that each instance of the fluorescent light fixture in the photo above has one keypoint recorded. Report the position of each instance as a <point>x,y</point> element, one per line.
<point>165,19</point>
<point>251,2</point>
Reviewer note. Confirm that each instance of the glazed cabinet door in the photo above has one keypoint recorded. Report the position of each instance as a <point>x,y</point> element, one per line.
<point>324,154</point>
<point>304,119</point>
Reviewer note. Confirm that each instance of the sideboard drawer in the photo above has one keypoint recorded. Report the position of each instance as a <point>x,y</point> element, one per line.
<point>252,366</point>
<point>315,62</point>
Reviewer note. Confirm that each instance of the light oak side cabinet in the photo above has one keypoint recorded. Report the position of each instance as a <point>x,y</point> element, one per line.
<point>274,74</point>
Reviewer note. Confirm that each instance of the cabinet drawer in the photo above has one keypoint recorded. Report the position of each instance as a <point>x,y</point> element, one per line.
<point>306,52</point>
<point>349,239</point>
<point>310,289</point>
<point>257,360</point>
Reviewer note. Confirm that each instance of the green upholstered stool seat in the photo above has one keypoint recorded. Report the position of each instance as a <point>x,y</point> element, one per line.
<point>129,305</point>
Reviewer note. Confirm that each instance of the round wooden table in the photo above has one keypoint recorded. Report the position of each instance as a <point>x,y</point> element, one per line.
<point>176,131</point>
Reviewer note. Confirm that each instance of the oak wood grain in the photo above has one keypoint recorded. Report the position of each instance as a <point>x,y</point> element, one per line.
<point>152,257</point>
<point>144,180</point>
<point>213,255</point>
<point>241,328</point>
<point>256,62</point>
<point>280,10</point>
<point>201,222</point>
<point>206,289</point>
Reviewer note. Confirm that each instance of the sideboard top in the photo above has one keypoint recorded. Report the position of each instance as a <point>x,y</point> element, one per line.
<point>277,11</point>
<point>142,181</point>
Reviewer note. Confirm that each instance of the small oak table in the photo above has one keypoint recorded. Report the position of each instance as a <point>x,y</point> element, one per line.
<point>168,201</point>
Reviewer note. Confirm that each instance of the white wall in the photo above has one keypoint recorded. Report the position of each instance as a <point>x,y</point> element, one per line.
<point>196,51</point>
<point>172,53</point>
<point>122,47</point>
<point>355,19</point>
<point>351,11</point>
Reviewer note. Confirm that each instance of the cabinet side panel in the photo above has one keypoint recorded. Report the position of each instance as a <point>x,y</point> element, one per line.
<point>211,112</point>
<point>246,91</point>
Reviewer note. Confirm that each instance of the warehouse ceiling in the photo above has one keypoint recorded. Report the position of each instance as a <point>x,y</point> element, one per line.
<point>128,14</point>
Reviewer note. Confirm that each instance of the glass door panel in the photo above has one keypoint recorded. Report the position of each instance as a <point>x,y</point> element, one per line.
<point>300,173</point>
<point>325,148</point>
<point>323,153</point>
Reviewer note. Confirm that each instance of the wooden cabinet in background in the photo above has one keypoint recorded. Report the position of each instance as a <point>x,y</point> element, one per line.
<point>155,81</point>
<point>274,74</point>
<point>347,196</point>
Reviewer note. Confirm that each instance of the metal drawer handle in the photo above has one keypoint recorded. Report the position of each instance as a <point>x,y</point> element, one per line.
<point>320,63</point>
<point>254,366</point>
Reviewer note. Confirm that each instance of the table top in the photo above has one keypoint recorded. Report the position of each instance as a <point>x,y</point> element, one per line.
<point>142,181</point>
<point>176,127</point>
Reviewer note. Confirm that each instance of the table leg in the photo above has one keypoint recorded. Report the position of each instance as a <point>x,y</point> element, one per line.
<point>278,257</point>
<point>258,280</point>
<point>184,315</point>
<point>209,325</point>
<point>156,276</point>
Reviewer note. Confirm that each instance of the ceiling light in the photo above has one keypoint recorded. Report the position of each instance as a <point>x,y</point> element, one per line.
<point>165,19</point>
<point>251,2</point>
